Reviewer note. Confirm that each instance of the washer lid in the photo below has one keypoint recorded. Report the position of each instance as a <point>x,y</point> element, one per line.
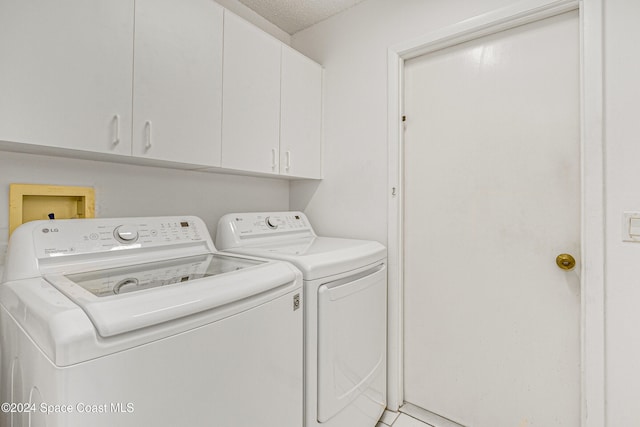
<point>123,299</point>
<point>319,257</point>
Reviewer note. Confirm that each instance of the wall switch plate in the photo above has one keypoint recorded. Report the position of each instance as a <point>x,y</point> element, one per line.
<point>631,227</point>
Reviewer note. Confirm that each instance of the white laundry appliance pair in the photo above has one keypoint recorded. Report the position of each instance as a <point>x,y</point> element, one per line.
<point>140,322</point>
<point>345,289</point>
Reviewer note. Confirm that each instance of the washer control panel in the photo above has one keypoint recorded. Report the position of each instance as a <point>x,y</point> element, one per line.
<point>86,236</point>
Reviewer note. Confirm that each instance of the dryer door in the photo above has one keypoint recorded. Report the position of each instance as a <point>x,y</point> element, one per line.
<point>352,340</point>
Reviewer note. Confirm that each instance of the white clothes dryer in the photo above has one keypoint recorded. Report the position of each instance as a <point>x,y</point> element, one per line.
<point>137,322</point>
<point>345,290</point>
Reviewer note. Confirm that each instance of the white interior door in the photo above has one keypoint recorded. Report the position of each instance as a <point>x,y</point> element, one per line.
<point>492,196</point>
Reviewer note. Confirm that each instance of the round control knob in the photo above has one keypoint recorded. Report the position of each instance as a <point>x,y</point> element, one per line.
<point>126,233</point>
<point>270,223</point>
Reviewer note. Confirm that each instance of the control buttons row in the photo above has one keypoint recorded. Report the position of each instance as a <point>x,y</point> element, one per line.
<point>128,234</point>
<point>268,224</point>
<point>287,222</point>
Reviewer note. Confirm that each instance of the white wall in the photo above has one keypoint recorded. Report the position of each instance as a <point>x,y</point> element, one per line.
<point>352,199</point>
<point>352,47</point>
<point>622,153</point>
<point>130,190</point>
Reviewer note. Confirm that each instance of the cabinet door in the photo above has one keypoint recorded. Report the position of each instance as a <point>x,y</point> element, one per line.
<point>301,116</point>
<point>177,96</point>
<point>65,78</point>
<point>251,104</point>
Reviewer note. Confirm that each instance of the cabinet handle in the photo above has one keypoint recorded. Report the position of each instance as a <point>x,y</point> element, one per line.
<point>273,159</point>
<point>288,160</point>
<point>147,128</point>
<point>116,122</point>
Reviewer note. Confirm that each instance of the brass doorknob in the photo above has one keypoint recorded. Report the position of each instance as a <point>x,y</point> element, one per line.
<point>565,261</point>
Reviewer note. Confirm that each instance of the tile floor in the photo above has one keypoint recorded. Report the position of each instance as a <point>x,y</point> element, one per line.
<point>413,416</point>
<point>405,420</point>
<point>401,420</point>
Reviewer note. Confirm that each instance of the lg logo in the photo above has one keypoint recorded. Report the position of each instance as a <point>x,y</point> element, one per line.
<point>52,230</point>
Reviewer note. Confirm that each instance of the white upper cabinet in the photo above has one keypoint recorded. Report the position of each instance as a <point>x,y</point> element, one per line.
<point>251,98</point>
<point>301,116</point>
<point>65,77</point>
<point>177,90</point>
<point>181,83</point>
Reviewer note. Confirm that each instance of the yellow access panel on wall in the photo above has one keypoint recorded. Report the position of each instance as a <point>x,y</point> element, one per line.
<point>30,202</point>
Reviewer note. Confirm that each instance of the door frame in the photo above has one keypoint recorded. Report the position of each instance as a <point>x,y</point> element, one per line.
<point>592,318</point>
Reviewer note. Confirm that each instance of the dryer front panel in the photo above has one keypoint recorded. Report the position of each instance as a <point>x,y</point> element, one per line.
<point>351,341</point>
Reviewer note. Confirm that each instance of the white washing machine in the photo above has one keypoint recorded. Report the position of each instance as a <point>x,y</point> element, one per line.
<point>139,322</point>
<point>345,291</point>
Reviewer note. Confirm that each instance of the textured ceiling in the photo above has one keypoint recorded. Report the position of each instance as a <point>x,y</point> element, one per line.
<point>295,15</point>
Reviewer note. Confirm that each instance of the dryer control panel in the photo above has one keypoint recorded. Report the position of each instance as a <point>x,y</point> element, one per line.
<point>233,229</point>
